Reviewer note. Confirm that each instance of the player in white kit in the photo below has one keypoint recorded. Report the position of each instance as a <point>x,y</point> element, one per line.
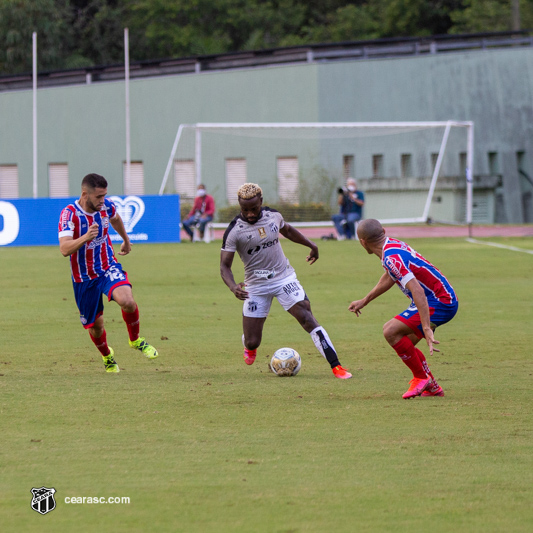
<point>254,235</point>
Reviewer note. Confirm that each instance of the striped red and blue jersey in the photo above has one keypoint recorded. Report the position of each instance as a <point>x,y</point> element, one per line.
<point>403,264</point>
<point>95,257</point>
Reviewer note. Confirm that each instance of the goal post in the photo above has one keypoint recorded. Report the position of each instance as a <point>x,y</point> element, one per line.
<point>410,172</point>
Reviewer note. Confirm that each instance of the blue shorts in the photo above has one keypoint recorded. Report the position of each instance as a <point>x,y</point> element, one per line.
<point>88,294</point>
<point>439,315</point>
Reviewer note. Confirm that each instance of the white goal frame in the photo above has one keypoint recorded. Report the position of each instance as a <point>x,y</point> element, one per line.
<point>469,125</point>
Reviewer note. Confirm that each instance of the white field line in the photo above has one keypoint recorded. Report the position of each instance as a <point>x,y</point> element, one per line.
<point>497,245</point>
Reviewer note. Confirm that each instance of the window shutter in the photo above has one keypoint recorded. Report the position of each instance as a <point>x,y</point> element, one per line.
<point>135,184</point>
<point>288,179</point>
<point>9,181</point>
<point>185,178</point>
<point>236,175</point>
<point>58,186</point>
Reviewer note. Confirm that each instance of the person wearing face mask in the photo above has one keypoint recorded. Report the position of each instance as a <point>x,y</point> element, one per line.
<point>351,202</point>
<point>201,214</point>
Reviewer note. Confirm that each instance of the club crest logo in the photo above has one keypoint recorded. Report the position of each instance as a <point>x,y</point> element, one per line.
<point>130,209</point>
<point>43,500</point>
<point>252,306</point>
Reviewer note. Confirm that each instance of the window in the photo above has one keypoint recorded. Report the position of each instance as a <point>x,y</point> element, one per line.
<point>58,186</point>
<point>377,165</point>
<point>434,157</point>
<point>135,183</point>
<point>407,165</point>
<point>521,161</point>
<point>185,178</point>
<point>9,181</point>
<point>236,175</point>
<point>348,169</point>
<point>493,163</point>
<point>462,164</point>
<point>288,179</point>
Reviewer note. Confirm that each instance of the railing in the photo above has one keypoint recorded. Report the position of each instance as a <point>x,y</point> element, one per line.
<point>343,51</point>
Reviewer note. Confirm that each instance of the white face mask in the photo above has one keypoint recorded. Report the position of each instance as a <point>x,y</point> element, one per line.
<point>351,188</point>
<point>200,192</point>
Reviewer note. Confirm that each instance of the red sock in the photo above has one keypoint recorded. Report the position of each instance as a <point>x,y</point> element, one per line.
<point>101,343</point>
<point>132,322</point>
<point>407,352</point>
<point>424,362</point>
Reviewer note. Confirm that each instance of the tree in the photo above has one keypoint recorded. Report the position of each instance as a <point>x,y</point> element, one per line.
<point>19,19</point>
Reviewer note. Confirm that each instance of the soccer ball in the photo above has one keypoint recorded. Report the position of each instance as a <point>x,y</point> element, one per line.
<point>286,362</point>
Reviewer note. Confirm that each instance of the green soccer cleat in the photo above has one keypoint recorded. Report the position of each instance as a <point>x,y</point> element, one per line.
<point>110,363</point>
<point>147,349</point>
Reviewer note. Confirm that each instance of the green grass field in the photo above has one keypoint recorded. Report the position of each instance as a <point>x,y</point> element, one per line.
<point>200,442</point>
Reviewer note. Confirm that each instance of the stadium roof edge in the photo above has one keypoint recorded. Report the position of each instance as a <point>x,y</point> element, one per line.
<point>324,52</point>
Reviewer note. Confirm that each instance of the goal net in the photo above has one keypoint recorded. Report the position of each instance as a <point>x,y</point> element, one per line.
<point>410,172</point>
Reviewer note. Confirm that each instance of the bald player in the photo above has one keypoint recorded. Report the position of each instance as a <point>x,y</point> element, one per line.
<point>254,235</point>
<point>433,303</point>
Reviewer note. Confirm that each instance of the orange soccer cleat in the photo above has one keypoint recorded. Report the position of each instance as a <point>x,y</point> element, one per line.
<point>340,372</point>
<point>416,387</point>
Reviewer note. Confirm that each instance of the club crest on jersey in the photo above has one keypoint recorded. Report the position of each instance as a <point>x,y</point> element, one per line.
<point>262,233</point>
<point>105,222</point>
<point>273,228</point>
<point>43,500</point>
<point>130,209</point>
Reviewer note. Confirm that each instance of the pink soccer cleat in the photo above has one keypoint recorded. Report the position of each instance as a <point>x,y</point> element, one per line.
<point>433,390</point>
<point>416,387</point>
<point>249,356</point>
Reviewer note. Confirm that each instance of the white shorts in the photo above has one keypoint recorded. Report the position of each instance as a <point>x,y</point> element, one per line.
<point>288,291</point>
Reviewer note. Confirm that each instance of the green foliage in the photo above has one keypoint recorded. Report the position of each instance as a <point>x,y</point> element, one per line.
<point>19,19</point>
<point>77,33</point>
<point>478,15</point>
<point>227,213</point>
<point>291,212</point>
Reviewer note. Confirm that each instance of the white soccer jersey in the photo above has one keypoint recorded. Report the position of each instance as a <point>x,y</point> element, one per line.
<point>259,248</point>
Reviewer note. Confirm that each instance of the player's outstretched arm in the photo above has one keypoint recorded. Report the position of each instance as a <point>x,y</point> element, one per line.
<point>118,226</point>
<point>291,233</point>
<point>382,286</point>
<point>226,260</point>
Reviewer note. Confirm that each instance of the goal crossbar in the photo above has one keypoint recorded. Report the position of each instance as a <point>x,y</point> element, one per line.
<point>413,125</point>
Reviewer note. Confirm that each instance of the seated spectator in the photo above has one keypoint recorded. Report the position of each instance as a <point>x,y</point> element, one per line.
<point>351,203</point>
<point>201,214</point>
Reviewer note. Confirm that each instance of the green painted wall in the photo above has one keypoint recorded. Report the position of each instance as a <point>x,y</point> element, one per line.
<point>84,126</point>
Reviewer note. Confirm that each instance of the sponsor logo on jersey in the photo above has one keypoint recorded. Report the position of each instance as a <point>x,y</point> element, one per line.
<point>291,288</point>
<point>260,247</point>
<point>394,265</point>
<point>267,274</point>
<point>96,242</point>
<point>262,233</point>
